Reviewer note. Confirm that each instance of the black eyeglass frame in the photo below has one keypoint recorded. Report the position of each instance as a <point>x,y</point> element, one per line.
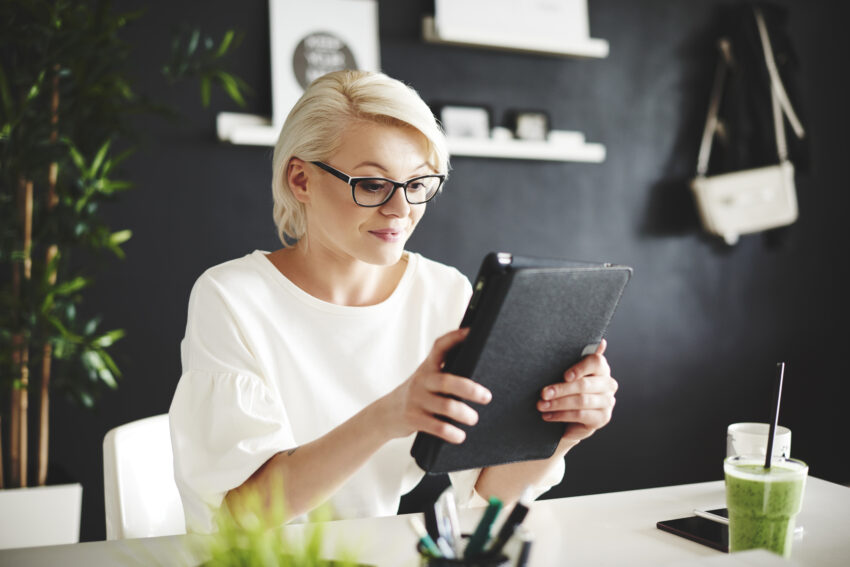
<point>354,180</point>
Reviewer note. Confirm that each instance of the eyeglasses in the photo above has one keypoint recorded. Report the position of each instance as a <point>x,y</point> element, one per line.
<point>375,191</point>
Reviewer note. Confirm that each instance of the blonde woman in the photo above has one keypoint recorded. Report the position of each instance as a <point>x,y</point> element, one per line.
<point>313,366</point>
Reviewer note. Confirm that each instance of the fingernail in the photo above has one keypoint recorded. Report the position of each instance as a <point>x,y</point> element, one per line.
<point>487,396</point>
<point>548,393</point>
<point>571,376</point>
<point>546,405</point>
<point>547,416</point>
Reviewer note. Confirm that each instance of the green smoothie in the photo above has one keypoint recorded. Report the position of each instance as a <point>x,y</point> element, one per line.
<point>763,502</point>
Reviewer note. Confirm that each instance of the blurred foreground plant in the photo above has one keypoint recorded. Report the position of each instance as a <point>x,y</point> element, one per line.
<point>249,534</point>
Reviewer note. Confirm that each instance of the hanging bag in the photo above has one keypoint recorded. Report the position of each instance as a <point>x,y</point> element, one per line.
<point>756,199</point>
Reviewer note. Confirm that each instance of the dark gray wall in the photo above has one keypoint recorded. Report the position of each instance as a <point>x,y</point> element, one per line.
<point>695,340</point>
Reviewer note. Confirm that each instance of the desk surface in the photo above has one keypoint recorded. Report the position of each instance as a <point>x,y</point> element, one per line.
<point>604,529</point>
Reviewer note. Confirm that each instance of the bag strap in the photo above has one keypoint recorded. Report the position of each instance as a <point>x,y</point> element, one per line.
<point>778,126</point>
<point>776,85</point>
<point>723,64</point>
<point>778,98</point>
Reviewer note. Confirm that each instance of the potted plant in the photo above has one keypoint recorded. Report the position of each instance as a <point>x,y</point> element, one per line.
<point>66,97</point>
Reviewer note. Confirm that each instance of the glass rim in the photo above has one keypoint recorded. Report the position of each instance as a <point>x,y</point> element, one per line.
<point>755,428</point>
<point>731,466</point>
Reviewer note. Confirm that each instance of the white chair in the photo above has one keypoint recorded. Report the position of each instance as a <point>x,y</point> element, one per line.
<point>140,494</point>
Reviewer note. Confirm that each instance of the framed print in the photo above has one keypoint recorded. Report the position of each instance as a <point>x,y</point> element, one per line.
<point>310,39</point>
<point>465,121</point>
<point>528,124</point>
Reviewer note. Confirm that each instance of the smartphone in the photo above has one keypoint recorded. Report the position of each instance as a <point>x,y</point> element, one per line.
<point>701,530</point>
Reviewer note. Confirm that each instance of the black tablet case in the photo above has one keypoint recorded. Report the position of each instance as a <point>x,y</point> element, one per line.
<point>530,320</point>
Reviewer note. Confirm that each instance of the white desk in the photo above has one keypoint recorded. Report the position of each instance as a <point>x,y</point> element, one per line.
<point>604,529</point>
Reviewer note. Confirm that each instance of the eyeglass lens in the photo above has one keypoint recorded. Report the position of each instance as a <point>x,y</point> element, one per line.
<point>371,192</point>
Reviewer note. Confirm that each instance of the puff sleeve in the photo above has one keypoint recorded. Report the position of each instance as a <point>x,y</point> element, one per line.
<point>226,418</point>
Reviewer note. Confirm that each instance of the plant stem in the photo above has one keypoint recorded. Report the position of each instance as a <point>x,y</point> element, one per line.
<point>14,421</point>
<point>20,358</point>
<point>52,251</point>
<point>20,407</point>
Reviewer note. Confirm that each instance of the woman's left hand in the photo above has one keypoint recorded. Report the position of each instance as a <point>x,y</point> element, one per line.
<point>585,399</point>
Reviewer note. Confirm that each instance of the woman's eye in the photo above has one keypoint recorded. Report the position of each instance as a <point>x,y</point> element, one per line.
<point>371,186</point>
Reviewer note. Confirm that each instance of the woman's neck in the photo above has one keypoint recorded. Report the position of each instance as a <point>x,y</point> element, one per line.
<point>335,279</point>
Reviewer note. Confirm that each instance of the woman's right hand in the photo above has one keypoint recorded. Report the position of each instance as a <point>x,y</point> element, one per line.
<point>416,403</point>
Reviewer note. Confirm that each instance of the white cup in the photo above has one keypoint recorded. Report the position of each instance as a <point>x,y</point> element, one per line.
<point>750,439</point>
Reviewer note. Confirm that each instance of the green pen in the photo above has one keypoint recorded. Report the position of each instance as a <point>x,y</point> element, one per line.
<point>424,539</point>
<point>482,533</point>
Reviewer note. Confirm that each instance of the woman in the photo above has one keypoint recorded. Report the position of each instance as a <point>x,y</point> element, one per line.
<point>313,366</point>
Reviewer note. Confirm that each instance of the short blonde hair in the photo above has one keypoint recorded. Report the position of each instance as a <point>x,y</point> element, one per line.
<point>312,131</point>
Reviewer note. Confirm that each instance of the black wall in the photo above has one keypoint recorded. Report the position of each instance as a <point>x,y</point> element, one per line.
<point>701,327</point>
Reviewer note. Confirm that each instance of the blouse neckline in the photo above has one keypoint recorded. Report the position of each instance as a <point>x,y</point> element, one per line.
<point>271,271</point>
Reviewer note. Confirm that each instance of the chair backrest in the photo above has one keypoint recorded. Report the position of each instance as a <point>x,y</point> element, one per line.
<point>140,494</point>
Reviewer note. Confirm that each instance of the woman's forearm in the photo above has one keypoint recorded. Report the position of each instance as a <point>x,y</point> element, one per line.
<point>507,482</point>
<point>311,473</point>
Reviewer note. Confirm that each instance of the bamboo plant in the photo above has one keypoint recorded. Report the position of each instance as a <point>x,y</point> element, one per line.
<point>66,101</point>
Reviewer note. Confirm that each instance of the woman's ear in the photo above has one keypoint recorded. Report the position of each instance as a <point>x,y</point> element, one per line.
<point>297,175</point>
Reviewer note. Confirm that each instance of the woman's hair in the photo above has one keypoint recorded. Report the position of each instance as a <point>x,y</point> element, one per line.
<point>312,131</point>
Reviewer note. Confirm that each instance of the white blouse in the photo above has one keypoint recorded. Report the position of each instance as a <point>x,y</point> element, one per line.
<point>268,367</point>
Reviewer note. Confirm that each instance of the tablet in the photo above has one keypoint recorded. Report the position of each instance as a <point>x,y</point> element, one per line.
<point>530,320</point>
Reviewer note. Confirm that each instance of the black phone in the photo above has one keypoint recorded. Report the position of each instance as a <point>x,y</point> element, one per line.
<point>701,530</point>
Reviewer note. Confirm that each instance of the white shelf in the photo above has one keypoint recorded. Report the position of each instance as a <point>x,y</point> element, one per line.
<point>589,47</point>
<point>245,129</point>
<point>253,130</point>
<point>523,149</point>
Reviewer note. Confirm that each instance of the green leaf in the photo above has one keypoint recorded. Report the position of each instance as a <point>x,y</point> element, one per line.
<point>71,286</point>
<point>110,364</point>
<point>231,85</point>
<point>120,237</point>
<point>76,156</point>
<point>117,160</point>
<point>108,339</point>
<point>98,159</point>
<point>36,88</point>
<point>206,87</point>
<point>193,42</point>
<point>225,43</point>
<point>68,335</point>
<point>71,313</point>
<point>110,187</point>
<point>91,326</point>
<point>62,348</point>
<point>86,399</point>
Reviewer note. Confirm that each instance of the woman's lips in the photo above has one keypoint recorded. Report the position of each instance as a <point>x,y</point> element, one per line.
<point>388,234</point>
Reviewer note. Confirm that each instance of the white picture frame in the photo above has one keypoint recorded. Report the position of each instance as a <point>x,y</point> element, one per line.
<point>521,21</point>
<point>309,39</point>
<point>465,121</point>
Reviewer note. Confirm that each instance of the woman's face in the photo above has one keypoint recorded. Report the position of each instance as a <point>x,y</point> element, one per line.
<point>348,231</point>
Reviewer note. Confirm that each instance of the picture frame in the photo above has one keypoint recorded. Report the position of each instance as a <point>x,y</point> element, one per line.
<point>310,39</point>
<point>465,120</point>
<point>531,125</point>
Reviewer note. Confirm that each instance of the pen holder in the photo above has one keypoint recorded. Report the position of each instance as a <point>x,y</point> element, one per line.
<point>479,561</point>
<point>483,560</point>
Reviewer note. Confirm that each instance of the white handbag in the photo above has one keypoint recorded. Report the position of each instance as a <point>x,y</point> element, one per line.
<point>752,200</point>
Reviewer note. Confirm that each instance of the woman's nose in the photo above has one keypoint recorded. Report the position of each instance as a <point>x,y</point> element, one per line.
<point>397,204</point>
